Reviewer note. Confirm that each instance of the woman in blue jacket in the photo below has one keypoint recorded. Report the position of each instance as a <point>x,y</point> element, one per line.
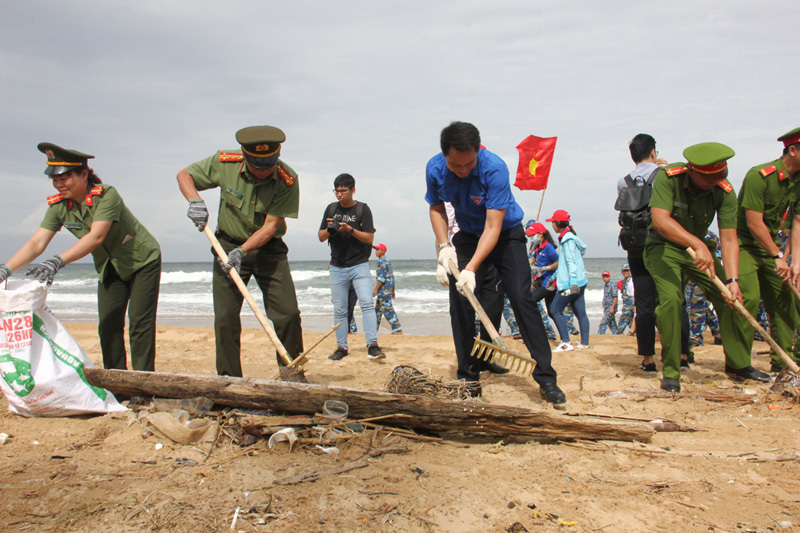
<point>571,281</point>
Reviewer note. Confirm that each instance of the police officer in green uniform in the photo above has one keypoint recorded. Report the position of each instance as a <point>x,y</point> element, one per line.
<point>126,256</point>
<point>257,192</point>
<point>685,199</point>
<point>767,192</point>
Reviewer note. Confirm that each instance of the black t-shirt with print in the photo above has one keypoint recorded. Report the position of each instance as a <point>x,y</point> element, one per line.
<point>346,250</point>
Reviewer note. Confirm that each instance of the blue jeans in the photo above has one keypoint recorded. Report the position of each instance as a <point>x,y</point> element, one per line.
<point>578,304</point>
<point>360,277</point>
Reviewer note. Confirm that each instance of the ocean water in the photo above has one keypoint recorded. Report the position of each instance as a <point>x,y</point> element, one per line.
<point>185,296</point>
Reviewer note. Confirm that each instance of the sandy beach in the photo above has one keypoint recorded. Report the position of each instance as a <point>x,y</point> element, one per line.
<point>735,471</point>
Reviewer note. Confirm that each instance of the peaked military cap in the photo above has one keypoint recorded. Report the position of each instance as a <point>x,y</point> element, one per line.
<point>60,160</point>
<point>790,138</point>
<point>261,145</point>
<point>708,158</point>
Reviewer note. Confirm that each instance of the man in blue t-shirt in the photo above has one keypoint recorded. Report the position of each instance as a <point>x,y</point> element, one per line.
<point>476,183</point>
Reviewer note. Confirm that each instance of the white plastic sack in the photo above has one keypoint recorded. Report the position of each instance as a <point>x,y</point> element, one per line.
<point>41,365</point>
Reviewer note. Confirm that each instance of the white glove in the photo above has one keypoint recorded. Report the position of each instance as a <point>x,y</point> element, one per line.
<point>447,254</point>
<point>441,276</point>
<point>466,279</point>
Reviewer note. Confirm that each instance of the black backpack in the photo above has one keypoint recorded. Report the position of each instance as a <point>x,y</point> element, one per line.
<point>634,212</point>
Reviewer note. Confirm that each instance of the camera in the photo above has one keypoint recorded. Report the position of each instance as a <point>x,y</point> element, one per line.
<point>333,228</point>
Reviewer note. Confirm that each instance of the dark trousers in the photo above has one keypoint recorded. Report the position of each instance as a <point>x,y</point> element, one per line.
<point>137,296</point>
<point>644,300</point>
<point>509,260</point>
<point>270,267</point>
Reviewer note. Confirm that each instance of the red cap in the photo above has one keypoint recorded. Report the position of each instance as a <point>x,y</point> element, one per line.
<point>606,273</point>
<point>559,216</point>
<point>381,246</point>
<point>536,227</point>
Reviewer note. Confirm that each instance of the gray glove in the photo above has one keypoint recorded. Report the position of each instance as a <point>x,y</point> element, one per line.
<point>234,260</point>
<point>573,289</point>
<point>198,213</point>
<point>5,273</point>
<point>537,271</point>
<point>46,270</point>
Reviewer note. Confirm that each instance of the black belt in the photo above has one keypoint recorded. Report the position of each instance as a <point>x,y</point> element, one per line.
<point>219,234</point>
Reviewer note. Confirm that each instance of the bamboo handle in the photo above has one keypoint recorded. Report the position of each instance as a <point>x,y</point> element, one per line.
<point>476,305</point>
<point>247,296</point>
<point>753,322</point>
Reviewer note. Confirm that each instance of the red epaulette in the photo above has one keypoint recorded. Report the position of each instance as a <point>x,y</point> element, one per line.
<point>766,171</point>
<point>94,191</point>
<point>725,186</point>
<point>229,157</point>
<point>674,171</point>
<point>54,199</point>
<point>287,178</point>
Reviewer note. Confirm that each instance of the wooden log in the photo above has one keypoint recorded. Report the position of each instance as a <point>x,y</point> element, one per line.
<point>418,412</point>
<point>654,393</point>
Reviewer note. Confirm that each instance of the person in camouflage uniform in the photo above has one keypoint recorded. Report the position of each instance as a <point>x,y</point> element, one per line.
<point>627,315</point>
<point>609,305</point>
<point>384,291</point>
<point>700,312</point>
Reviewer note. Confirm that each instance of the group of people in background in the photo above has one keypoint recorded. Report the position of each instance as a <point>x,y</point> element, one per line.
<point>481,242</point>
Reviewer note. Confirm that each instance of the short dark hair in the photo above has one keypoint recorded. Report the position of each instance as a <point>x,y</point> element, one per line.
<point>344,180</point>
<point>462,136</point>
<point>641,146</point>
<point>786,148</point>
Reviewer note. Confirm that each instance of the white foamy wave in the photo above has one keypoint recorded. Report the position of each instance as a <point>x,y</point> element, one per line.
<point>416,273</point>
<point>185,277</point>
<point>80,283</point>
<point>305,275</point>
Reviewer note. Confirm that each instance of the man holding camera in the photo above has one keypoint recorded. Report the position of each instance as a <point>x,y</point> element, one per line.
<point>347,226</point>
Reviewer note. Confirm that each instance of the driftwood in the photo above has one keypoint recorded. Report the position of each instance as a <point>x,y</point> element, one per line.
<point>653,393</point>
<point>473,418</point>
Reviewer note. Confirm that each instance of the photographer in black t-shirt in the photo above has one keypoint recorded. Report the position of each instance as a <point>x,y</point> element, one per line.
<point>347,226</point>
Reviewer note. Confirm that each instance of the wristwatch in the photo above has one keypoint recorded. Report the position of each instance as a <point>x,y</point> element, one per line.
<point>352,229</point>
<point>778,256</point>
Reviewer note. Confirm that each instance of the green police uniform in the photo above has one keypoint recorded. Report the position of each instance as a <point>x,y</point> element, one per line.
<point>667,262</point>
<point>244,205</point>
<point>129,264</point>
<point>767,189</point>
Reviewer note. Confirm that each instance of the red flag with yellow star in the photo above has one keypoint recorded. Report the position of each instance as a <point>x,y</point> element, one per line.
<point>535,158</point>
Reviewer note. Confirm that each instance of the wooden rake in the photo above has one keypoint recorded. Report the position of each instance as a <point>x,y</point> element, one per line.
<point>790,364</point>
<point>294,368</point>
<point>496,351</point>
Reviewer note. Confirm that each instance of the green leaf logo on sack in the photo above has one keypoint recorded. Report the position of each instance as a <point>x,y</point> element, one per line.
<point>17,373</point>
<point>16,336</point>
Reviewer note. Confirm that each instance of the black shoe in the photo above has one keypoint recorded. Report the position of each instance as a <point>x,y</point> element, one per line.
<point>374,351</point>
<point>748,372</point>
<point>494,368</point>
<point>718,341</point>
<point>671,384</point>
<point>552,394</point>
<point>774,368</point>
<point>340,353</point>
<point>649,368</point>
<point>684,365</point>
<point>517,337</point>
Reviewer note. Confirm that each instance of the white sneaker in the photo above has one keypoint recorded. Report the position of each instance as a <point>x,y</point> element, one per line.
<point>582,347</point>
<point>563,347</point>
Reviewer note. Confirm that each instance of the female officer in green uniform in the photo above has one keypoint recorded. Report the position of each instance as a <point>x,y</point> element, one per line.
<point>126,255</point>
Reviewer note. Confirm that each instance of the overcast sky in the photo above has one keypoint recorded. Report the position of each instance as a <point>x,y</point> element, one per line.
<point>365,87</point>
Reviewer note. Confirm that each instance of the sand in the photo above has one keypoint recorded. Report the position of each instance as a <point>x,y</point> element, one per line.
<point>101,473</point>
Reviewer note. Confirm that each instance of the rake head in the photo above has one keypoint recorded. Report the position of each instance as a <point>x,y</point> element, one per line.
<point>503,356</point>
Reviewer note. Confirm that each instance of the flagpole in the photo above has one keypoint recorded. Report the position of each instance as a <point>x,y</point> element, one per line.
<point>540,205</point>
